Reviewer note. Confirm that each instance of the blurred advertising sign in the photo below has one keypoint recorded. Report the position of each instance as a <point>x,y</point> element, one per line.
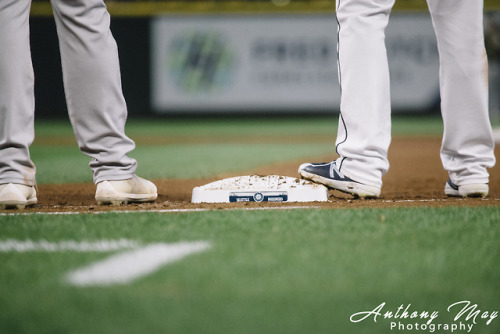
<point>275,63</point>
<point>413,62</point>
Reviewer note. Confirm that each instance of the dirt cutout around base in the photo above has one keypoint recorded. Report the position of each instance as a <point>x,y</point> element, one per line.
<point>416,179</point>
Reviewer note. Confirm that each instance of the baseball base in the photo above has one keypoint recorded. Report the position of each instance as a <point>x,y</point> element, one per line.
<point>256,188</point>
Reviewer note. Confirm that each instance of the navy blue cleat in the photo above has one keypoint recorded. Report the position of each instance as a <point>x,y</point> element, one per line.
<point>329,175</point>
<point>466,190</point>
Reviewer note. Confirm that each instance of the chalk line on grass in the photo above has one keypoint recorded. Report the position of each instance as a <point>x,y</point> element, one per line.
<point>126,267</point>
<point>304,207</point>
<point>57,213</point>
<point>134,262</point>
<point>11,245</point>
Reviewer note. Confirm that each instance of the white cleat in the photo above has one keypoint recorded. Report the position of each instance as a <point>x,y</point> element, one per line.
<point>466,190</point>
<point>16,196</point>
<point>329,175</point>
<point>127,191</point>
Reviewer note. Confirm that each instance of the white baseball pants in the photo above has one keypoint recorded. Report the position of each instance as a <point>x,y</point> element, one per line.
<point>365,121</point>
<point>92,84</point>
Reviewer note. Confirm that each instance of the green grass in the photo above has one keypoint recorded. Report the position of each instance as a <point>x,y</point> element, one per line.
<point>172,161</point>
<point>326,125</point>
<point>203,147</point>
<point>302,271</point>
<point>299,271</point>
<point>402,125</point>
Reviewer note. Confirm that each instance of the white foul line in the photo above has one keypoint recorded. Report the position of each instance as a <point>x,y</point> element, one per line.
<point>57,213</point>
<point>11,245</point>
<point>126,267</point>
<point>260,208</point>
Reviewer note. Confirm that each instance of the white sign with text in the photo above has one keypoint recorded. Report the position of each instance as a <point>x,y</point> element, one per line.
<point>277,63</point>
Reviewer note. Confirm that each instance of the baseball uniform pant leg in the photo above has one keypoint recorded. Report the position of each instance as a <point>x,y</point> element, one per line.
<point>467,147</point>
<point>92,82</point>
<point>364,132</point>
<point>16,94</point>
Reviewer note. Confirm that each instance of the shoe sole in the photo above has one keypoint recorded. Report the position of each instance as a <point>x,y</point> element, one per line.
<point>125,200</point>
<point>19,205</point>
<point>467,191</point>
<point>353,188</point>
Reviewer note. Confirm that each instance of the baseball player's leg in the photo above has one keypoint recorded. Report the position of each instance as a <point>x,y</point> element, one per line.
<point>92,85</point>
<point>364,128</point>
<point>17,172</point>
<point>94,96</point>
<point>365,122</point>
<point>467,148</point>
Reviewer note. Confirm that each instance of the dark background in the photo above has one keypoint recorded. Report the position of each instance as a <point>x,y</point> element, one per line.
<point>132,37</point>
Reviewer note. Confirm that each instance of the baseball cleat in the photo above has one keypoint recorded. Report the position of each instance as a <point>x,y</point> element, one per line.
<point>466,190</point>
<point>16,196</point>
<point>134,190</point>
<point>328,175</point>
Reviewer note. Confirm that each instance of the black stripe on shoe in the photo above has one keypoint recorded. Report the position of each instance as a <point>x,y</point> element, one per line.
<point>452,185</point>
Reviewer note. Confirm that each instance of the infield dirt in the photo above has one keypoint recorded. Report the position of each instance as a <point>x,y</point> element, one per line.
<point>416,178</point>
